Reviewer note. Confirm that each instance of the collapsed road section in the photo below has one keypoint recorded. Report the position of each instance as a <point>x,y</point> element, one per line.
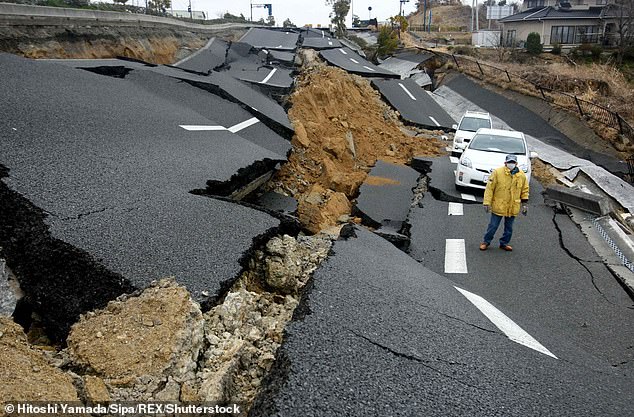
<point>140,139</point>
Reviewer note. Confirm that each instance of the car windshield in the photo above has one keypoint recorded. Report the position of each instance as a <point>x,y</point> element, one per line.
<point>474,123</point>
<point>496,143</point>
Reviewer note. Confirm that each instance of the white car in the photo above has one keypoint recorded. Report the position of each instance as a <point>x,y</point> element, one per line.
<point>470,122</point>
<point>487,151</point>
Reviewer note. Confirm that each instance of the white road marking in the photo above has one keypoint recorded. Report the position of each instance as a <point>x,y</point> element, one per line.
<point>343,52</point>
<point>434,120</point>
<point>407,91</point>
<point>468,197</point>
<point>232,129</point>
<point>454,160</point>
<point>330,43</point>
<point>268,77</point>
<point>505,324</point>
<point>243,125</point>
<point>280,46</point>
<point>354,60</point>
<point>368,68</point>
<point>455,257</point>
<point>202,128</point>
<point>455,209</point>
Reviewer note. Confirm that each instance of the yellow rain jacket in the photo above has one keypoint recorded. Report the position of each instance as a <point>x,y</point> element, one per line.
<point>505,192</point>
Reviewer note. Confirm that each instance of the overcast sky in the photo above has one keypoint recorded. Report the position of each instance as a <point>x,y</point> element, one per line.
<point>300,12</point>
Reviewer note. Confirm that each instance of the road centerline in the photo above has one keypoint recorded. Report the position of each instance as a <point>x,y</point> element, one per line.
<point>455,257</point>
<point>407,91</point>
<point>455,209</point>
<point>268,77</point>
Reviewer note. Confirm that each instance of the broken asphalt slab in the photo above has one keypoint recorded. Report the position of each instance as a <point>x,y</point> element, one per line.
<point>321,43</point>
<point>285,40</point>
<point>414,104</point>
<point>386,196</point>
<point>207,58</point>
<point>107,182</point>
<point>394,338</point>
<point>221,84</point>
<point>352,62</point>
<point>405,63</point>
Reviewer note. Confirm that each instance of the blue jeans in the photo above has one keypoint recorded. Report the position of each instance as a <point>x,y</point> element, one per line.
<point>493,226</point>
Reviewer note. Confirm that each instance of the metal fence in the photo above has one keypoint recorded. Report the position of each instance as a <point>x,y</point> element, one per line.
<point>586,109</point>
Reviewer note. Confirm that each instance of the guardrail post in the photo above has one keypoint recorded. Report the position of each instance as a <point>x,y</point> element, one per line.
<point>541,90</point>
<point>455,60</point>
<point>507,75</point>
<point>618,119</point>
<point>481,72</point>
<point>578,106</point>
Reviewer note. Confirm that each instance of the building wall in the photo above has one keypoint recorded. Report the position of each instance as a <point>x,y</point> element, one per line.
<point>544,28</point>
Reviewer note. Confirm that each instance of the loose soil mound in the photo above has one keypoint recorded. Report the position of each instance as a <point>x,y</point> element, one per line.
<point>342,128</point>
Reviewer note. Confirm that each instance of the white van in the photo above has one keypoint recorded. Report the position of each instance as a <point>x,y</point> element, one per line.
<point>470,122</point>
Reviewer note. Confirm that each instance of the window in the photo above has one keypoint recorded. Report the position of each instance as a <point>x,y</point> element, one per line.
<point>534,3</point>
<point>574,34</point>
<point>601,2</point>
<point>510,37</point>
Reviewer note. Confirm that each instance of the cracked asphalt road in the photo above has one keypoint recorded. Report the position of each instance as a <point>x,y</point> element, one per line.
<point>419,349</point>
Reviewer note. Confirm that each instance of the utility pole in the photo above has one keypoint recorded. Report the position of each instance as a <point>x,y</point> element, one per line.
<point>190,10</point>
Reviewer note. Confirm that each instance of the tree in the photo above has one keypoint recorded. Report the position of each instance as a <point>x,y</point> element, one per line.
<point>623,11</point>
<point>270,20</point>
<point>387,41</point>
<point>533,43</point>
<point>288,24</point>
<point>340,9</point>
<point>159,6</point>
<point>355,21</point>
<point>400,22</point>
<point>502,3</point>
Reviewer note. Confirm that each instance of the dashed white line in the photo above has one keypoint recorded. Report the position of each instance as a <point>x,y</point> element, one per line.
<point>454,160</point>
<point>243,125</point>
<point>268,77</point>
<point>330,43</point>
<point>505,324</point>
<point>354,60</point>
<point>343,52</point>
<point>369,69</point>
<point>434,120</point>
<point>455,257</point>
<point>455,209</point>
<point>468,197</point>
<point>407,91</point>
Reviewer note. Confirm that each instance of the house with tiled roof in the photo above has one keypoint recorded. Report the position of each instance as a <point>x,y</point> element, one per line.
<point>562,22</point>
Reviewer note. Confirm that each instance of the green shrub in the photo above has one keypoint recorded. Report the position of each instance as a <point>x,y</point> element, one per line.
<point>387,41</point>
<point>596,51</point>
<point>533,43</point>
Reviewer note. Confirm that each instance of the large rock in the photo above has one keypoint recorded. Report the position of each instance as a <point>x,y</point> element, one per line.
<point>25,373</point>
<point>136,343</point>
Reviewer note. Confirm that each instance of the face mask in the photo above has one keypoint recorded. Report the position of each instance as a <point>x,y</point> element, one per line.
<point>511,166</point>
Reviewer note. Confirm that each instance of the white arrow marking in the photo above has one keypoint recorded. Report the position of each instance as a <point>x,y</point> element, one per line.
<point>455,257</point>
<point>243,125</point>
<point>407,91</point>
<point>202,128</point>
<point>232,129</point>
<point>505,324</point>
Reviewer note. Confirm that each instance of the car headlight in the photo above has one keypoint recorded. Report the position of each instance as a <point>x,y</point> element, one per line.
<point>466,162</point>
<point>459,140</point>
<point>524,168</point>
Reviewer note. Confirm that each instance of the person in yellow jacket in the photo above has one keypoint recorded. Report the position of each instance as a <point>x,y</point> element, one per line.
<point>506,190</point>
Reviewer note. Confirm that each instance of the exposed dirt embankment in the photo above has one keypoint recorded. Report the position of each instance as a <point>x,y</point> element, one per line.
<point>341,128</point>
<point>155,45</point>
